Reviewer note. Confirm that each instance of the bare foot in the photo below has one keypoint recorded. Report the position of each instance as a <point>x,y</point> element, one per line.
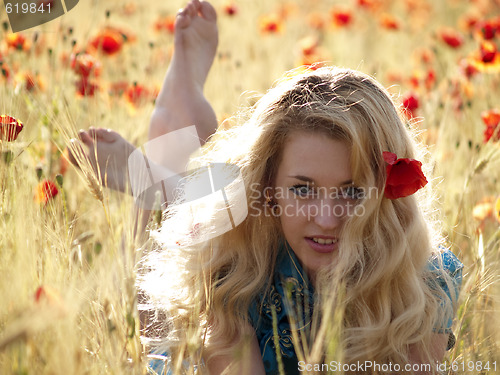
<point>180,102</point>
<point>195,43</point>
<point>108,154</point>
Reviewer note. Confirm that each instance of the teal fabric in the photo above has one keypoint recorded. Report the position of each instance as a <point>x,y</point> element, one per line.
<point>291,281</point>
<point>158,364</point>
<point>448,262</point>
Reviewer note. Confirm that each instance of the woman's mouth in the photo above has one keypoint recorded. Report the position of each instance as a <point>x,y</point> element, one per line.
<point>322,245</point>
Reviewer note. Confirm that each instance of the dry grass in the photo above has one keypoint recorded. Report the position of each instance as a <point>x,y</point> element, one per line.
<point>79,246</point>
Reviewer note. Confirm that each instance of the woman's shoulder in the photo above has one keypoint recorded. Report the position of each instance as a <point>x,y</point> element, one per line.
<point>445,267</point>
<point>444,259</point>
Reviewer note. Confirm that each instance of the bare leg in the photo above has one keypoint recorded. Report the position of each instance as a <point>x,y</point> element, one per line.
<point>181,102</point>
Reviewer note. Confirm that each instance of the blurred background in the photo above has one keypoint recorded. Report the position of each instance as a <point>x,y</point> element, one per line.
<point>68,304</point>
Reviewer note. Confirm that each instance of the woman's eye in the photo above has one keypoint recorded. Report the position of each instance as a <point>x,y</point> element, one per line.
<point>302,190</point>
<point>352,192</point>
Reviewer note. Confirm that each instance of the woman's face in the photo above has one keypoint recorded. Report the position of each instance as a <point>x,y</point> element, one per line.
<point>314,192</point>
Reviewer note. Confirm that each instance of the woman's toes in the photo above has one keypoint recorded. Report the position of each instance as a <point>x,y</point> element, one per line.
<point>85,137</point>
<point>102,134</point>
<point>182,19</point>
<point>191,9</point>
<point>106,135</point>
<point>207,11</point>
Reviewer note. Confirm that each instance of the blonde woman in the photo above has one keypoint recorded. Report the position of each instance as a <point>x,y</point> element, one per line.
<point>335,239</point>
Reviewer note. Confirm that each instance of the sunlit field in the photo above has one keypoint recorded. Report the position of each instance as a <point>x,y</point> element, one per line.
<point>68,303</point>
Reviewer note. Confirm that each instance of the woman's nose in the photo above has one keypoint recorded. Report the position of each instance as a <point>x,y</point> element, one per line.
<point>328,214</point>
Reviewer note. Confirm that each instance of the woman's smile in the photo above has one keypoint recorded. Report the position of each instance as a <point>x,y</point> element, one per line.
<point>322,244</point>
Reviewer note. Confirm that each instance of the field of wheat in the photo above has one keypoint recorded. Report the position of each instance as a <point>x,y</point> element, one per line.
<point>68,303</point>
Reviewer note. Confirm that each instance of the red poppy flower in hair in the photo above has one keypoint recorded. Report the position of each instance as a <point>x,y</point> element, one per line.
<point>404,176</point>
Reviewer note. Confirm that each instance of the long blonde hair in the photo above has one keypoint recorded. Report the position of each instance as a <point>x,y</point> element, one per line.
<point>206,287</point>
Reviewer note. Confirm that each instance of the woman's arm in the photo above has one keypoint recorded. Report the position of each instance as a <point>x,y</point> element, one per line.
<point>437,350</point>
<point>245,359</point>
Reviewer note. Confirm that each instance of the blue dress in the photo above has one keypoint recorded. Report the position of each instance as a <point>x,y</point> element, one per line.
<point>291,281</point>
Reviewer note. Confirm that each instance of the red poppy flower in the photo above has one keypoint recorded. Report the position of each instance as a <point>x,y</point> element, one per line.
<point>312,62</point>
<point>487,59</point>
<point>365,3</point>
<point>165,24</point>
<point>230,9</point>
<point>468,22</point>
<point>404,176</point>
<point>308,45</point>
<point>491,119</point>
<point>426,55</point>
<point>430,79</point>
<point>389,22</point>
<point>488,51</point>
<point>85,88</point>
<point>45,191</point>
<point>410,101</point>
<point>488,29</point>
<point>17,41</point>
<point>410,104</point>
<point>414,80</point>
<point>84,64</point>
<point>137,93</point>
<point>451,37</point>
<point>468,68</point>
<point>9,128</point>
<point>341,16</point>
<point>271,24</point>
<point>110,41</point>
<point>30,83</point>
